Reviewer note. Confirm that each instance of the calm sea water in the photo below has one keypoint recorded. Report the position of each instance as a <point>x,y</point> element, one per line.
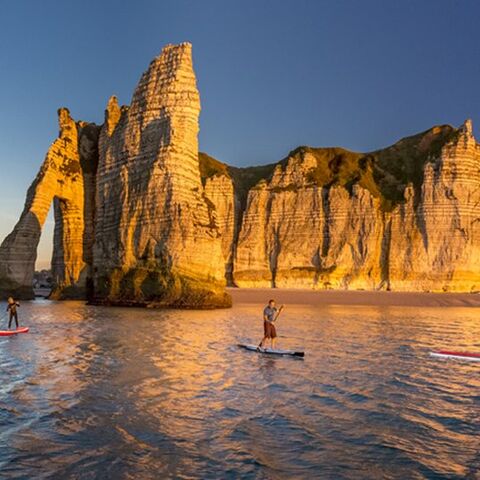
<point>100,393</point>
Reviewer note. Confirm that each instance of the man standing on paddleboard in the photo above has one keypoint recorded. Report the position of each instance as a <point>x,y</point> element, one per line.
<point>270,315</point>
<point>12,308</point>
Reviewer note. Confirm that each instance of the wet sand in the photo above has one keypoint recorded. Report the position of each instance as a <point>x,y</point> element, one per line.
<point>354,297</point>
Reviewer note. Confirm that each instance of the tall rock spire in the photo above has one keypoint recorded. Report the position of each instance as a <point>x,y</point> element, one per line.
<point>156,241</point>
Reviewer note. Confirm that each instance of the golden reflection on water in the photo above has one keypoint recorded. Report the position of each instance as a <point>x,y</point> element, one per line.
<point>167,393</point>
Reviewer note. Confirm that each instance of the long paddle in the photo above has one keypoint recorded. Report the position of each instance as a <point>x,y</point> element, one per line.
<point>278,313</point>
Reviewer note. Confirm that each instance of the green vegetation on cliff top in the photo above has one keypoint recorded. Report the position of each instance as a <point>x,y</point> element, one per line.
<point>244,178</point>
<point>385,172</point>
<point>210,167</point>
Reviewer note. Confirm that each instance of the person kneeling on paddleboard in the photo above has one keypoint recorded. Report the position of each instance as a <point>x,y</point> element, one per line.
<point>12,308</point>
<point>270,315</point>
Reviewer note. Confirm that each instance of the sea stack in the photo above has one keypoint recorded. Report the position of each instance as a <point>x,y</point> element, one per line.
<point>156,239</point>
<point>132,223</point>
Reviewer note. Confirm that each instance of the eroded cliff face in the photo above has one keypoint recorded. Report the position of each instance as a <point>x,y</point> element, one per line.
<point>143,218</point>
<point>133,222</point>
<point>435,234</point>
<point>157,239</point>
<point>66,178</point>
<point>403,218</point>
<point>299,230</point>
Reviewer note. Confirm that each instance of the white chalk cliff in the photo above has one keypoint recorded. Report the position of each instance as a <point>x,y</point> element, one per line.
<point>143,218</point>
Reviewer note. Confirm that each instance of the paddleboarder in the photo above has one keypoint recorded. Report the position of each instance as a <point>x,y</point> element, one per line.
<point>12,306</point>
<point>270,315</point>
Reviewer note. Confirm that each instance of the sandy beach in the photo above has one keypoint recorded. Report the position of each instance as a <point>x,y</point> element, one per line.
<point>354,297</point>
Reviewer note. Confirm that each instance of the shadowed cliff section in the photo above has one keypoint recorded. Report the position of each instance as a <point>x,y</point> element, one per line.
<point>214,175</point>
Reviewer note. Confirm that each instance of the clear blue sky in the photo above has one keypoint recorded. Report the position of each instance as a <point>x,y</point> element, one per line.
<point>272,74</point>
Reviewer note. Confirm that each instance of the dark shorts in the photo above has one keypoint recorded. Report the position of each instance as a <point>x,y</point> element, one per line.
<point>269,330</point>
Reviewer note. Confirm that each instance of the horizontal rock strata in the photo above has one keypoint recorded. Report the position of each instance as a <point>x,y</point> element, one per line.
<point>157,239</point>
<point>402,218</point>
<point>67,179</point>
<point>143,218</point>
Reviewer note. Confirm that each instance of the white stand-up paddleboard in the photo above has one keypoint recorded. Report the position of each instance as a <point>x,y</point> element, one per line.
<point>271,351</point>
<point>472,357</point>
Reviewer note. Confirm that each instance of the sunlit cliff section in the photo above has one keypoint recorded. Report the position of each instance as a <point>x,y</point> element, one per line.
<point>142,218</point>
<point>405,217</point>
<point>66,178</point>
<point>157,237</point>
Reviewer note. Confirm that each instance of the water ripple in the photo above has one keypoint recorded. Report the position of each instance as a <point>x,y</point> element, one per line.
<point>96,393</point>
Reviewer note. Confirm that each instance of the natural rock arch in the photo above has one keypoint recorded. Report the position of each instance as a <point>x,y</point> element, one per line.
<point>66,178</point>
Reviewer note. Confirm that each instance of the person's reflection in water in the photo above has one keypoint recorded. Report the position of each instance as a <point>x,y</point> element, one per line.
<point>268,368</point>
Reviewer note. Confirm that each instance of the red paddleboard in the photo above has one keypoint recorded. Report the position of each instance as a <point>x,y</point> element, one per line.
<point>474,357</point>
<point>6,333</point>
